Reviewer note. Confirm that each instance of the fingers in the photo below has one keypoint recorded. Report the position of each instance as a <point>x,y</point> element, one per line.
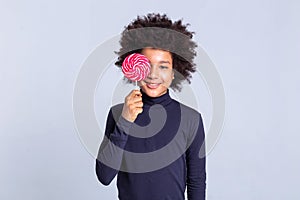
<point>134,97</point>
<point>135,111</point>
<point>138,104</point>
<point>136,92</point>
<point>133,105</point>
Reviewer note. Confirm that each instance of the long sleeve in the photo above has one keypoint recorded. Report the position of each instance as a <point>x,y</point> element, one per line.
<point>110,152</point>
<point>196,172</point>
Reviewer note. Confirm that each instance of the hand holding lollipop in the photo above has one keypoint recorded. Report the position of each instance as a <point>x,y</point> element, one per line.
<point>135,67</point>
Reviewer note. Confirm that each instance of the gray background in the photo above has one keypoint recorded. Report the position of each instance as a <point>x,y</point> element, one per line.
<point>254,44</point>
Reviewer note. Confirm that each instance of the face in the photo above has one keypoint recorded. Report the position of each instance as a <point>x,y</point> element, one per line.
<point>161,73</point>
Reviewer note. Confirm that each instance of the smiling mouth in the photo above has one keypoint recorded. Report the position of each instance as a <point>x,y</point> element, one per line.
<point>152,85</point>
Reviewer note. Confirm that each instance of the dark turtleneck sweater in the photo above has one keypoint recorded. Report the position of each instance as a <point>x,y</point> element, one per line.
<point>157,155</point>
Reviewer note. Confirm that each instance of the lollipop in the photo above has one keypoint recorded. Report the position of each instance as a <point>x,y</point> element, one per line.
<point>136,67</point>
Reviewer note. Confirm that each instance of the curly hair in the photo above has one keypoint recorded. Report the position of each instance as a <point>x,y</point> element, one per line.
<point>159,32</point>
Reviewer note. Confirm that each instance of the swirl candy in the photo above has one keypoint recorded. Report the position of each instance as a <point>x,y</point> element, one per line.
<point>136,67</point>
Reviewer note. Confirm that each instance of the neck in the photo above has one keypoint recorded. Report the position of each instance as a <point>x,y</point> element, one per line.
<point>164,99</point>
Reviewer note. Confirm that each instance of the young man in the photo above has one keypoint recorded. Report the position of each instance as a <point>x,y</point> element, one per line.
<point>152,142</point>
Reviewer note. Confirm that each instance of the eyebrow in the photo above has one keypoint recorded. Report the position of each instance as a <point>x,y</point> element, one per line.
<point>164,62</point>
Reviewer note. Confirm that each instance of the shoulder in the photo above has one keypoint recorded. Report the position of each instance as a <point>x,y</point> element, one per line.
<point>188,112</point>
<point>116,110</point>
<point>117,107</point>
<point>191,119</point>
<point>192,125</point>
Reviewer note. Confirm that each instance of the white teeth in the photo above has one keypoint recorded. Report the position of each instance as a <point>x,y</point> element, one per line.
<point>152,85</point>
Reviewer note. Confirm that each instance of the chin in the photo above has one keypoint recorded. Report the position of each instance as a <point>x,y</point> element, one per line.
<point>154,92</point>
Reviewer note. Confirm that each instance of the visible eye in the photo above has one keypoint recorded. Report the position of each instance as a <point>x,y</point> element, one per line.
<point>163,67</point>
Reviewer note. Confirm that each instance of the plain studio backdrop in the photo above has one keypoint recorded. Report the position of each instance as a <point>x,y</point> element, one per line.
<point>254,45</point>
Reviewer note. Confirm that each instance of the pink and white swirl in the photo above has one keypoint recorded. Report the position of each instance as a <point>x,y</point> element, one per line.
<point>136,67</point>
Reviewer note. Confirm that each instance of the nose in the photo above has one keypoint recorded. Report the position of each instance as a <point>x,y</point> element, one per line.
<point>153,73</point>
